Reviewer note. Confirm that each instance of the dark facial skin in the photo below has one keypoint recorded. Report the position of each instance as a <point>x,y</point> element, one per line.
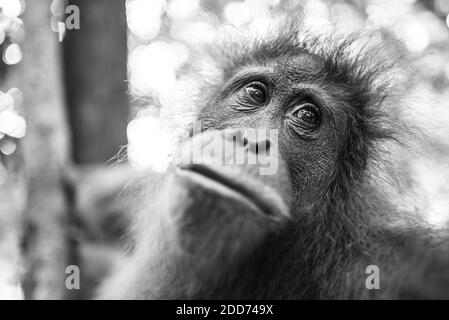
<point>287,95</point>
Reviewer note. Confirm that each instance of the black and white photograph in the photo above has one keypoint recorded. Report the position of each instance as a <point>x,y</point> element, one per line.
<point>225,151</point>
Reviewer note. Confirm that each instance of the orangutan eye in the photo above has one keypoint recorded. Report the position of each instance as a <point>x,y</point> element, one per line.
<point>305,118</point>
<point>256,93</point>
<point>308,116</point>
<point>251,96</point>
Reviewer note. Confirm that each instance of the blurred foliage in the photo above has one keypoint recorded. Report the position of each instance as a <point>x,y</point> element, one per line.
<point>160,29</point>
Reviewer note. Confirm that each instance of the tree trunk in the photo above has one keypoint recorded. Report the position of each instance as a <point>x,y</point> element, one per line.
<point>46,153</point>
<point>12,204</point>
<point>95,73</point>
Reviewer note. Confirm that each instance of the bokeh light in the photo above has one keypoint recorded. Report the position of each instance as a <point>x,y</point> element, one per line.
<point>6,101</point>
<point>12,8</point>
<point>182,9</point>
<point>16,95</point>
<point>144,17</point>
<point>11,123</point>
<point>12,54</point>
<point>7,147</point>
<point>57,7</point>
<point>148,145</point>
<point>193,32</point>
<point>413,33</point>
<point>442,6</point>
<point>242,13</point>
<point>153,67</point>
<point>237,13</point>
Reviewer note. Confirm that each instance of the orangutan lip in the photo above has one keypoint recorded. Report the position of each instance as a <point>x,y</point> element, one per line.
<point>237,187</point>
